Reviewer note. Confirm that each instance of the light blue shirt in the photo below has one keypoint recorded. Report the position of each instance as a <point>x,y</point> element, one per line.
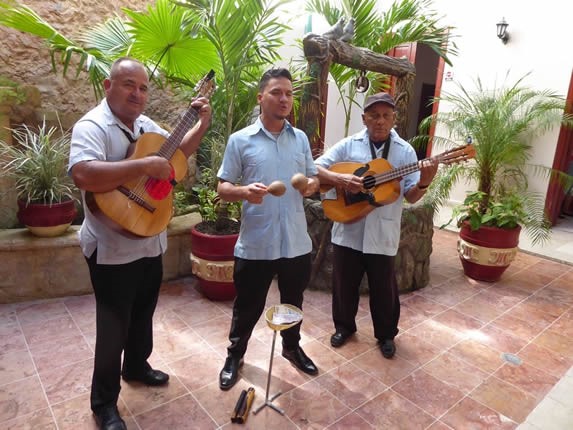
<point>276,228</point>
<point>98,135</point>
<point>379,231</point>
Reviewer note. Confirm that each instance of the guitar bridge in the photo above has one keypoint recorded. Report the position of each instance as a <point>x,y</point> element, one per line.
<point>134,197</point>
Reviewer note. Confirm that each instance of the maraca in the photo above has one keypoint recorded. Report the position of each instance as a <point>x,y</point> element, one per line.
<point>299,181</point>
<point>276,188</point>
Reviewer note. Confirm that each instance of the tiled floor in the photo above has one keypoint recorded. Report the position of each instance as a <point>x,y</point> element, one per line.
<point>470,355</point>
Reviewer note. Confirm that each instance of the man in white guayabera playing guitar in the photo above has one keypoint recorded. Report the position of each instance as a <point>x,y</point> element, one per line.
<point>125,272</point>
<point>370,244</point>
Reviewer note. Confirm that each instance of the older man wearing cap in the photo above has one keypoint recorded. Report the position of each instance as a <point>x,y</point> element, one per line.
<point>370,244</point>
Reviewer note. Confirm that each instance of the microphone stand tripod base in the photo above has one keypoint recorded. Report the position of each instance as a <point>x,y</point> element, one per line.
<point>271,314</point>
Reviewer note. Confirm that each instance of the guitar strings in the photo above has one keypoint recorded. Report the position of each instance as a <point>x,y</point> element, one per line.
<point>450,155</point>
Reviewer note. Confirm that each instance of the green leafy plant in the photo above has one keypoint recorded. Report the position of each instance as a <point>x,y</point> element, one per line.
<point>501,123</point>
<point>38,163</point>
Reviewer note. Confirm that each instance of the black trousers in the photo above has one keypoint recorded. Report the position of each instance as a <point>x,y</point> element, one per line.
<point>126,296</point>
<point>252,281</point>
<point>349,267</point>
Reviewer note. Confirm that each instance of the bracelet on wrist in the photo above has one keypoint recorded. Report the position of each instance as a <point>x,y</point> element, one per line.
<point>422,187</point>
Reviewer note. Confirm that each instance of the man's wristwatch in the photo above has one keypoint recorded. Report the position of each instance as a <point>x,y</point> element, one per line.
<point>421,187</point>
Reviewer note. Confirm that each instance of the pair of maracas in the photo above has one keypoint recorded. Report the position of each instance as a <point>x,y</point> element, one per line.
<point>278,188</point>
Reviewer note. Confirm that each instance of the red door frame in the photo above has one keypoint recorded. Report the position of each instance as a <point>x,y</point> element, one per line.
<point>563,156</point>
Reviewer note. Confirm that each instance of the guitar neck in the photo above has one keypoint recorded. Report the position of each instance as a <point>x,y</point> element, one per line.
<point>396,173</point>
<point>174,140</point>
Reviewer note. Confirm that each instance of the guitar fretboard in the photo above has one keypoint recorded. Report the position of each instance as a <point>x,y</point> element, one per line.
<point>172,142</point>
<point>396,173</point>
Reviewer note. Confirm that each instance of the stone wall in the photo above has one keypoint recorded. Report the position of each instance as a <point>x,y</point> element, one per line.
<point>412,260</point>
<point>26,59</point>
<point>38,268</point>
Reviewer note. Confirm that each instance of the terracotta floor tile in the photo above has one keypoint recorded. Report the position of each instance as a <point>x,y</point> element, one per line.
<point>478,355</point>
<point>525,329</point>
<point>549,305</point>
<point>197,370</point>
<point>198,312</point>
<point>171,346</point>
<point>351,385</point>
<point>312,406</point>
<point>220,404</point>
<point>140,398</point>
<point>15,365</point>
<point>178,414</point>
<point>564,325</point>
<point>41,419</point>
<point>387,371</point>
<point>76,414</point>
<point>469,414</point>
<point>351,421</point>
<point>544,359</point>
<point>504,398</point>
<point>60,352</point>
<point>533,277</point>
<point>421,305</point>
<point>67,382</point>
<point>450,293</point>
<point>438,425</point>
<point>436,333</point>
<point>21,398</point>
<point>498,339</point>
<point>453,336</point>
<point>560,344</point>
<point>390,410</point>
<point>409,318</point>
<point>415,350</point>
<point>215,332</point>
<point>456,372</point>
<point>551,268</point>
<point>458,321</point>
<point>479,308</point>
<point>428,393</point>
<point>55,329</point>
<point>39,312</point>
<point>528,378</point>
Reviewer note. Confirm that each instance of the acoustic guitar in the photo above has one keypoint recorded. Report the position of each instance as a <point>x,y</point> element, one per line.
<point>381,185</point>
<point>144,206</point>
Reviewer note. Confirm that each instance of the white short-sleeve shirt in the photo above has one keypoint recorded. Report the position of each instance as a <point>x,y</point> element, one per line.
<point>379,231</point>
<point>99,135</point>
<point>276,228</point>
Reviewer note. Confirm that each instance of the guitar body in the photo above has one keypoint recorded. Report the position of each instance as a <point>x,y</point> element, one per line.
<point>150,215</point>
<point>342,206</point>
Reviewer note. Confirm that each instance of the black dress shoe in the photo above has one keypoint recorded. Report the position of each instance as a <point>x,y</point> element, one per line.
<point>108,418</point>
<point>388,348</point>
<point>297,357</point>
<point>150,377</point>
<point>339,338</point>
<point>230,373</point>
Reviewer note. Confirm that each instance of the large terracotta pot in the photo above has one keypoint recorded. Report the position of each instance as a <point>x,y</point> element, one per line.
<point>212,262</point>
<point>47,220</point>
<point>486,253</point>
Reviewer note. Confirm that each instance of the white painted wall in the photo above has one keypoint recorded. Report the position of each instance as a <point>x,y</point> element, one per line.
<point>539,36</point>
<point>537,45</point>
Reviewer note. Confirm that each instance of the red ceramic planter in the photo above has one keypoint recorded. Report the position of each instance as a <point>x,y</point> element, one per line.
<point>487,252</point>
<point>45,219</point>
<point>212,261</point>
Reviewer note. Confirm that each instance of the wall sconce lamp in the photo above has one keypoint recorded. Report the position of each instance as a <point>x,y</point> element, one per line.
<point>502,31</point>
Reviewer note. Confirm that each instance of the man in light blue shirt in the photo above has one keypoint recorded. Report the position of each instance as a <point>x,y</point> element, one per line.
<point>273,239</point>
<point>370,244</point>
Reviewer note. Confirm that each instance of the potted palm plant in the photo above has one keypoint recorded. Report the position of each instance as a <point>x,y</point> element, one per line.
<point>37,162</point>
<point>501,123</point>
